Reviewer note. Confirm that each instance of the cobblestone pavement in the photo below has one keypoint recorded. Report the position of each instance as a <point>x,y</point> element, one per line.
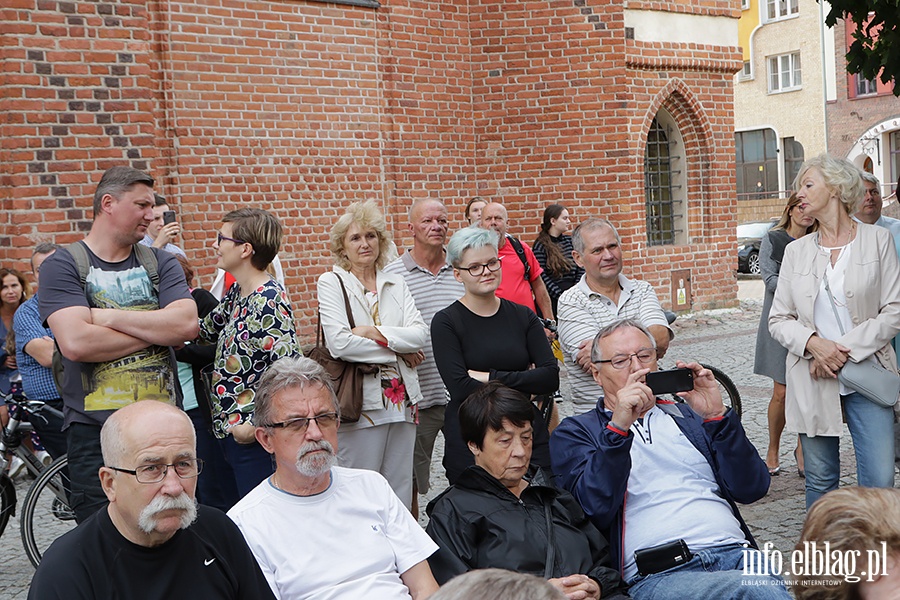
<point>725,339</point>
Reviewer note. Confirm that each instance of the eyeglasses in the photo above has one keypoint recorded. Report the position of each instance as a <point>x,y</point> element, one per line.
<point>220,237</point>
<point>620,361</point>
<point>185,469</point>
<point>492,265</point>
<point>300,424</point>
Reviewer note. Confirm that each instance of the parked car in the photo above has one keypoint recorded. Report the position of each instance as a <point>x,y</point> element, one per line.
<point>748,239</point>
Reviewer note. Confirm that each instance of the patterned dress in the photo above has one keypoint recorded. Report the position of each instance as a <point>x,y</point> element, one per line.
<point>250,334</point>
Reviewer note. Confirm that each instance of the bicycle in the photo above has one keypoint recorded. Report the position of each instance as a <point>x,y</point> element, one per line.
<point>45,510</point>
<point>731,397</point>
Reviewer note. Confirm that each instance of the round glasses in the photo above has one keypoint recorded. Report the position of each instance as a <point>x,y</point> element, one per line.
<point>492,265</point>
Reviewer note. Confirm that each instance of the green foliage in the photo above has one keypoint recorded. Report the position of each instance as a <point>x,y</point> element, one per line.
<point>876,45</point>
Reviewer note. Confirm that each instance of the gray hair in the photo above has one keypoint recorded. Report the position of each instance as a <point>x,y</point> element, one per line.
<point>590,225</point>
<point>498,584</point>
<point>112,439</point>
<point>597,355</point>
<point>45,248</point>
<point>118,180</point>
<point>870,178</point>
<point>285,373</point>
<point>841,176</point>
<point>470,238</point>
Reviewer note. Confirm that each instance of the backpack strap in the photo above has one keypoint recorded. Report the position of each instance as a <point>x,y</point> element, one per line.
<point>145,255</point>
<point>79,252</point>
<point>520,252</point>
<point>150,261</point>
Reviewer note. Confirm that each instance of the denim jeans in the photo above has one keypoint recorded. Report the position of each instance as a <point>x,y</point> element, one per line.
<point>250,462</point>
<point>712,573</point>
<point>215,486</point>
<point>872,431</point>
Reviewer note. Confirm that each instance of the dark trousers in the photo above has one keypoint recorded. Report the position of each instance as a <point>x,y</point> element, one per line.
<point>250,462</point>
<point>85,460</point>
<point>216,485</point>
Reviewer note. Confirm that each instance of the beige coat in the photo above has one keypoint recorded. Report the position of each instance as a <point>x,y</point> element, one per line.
<point>872,288</point>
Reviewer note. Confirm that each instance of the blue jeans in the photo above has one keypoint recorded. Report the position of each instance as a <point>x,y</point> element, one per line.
<point>215,486</point>
<point>250,462</point>
<point>872,431</point>
<point>712,573</point>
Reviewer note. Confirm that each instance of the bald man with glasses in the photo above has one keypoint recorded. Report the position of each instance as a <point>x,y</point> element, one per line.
<point>152,540</point>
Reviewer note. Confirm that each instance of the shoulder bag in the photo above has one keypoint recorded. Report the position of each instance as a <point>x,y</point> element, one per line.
<point>868,377</point>
<point>347,376</point>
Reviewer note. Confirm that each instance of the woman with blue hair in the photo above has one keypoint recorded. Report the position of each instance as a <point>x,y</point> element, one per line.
<point>481,338</point>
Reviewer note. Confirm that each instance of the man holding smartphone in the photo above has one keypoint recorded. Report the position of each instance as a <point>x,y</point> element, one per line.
<point>164,229</point>
<point>682,466</point>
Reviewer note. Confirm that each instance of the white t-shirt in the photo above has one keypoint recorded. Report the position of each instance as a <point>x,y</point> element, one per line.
<point>351,541</point>
<point>672,493</point>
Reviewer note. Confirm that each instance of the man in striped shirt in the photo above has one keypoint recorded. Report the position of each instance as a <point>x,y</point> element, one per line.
<point>431,281</point>
<point>601,297</point>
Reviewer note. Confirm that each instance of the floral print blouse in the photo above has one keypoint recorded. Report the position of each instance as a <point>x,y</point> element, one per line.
<point>250,334</point>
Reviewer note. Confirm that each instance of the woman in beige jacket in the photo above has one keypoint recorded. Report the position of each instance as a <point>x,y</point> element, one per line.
<point>860,265</point>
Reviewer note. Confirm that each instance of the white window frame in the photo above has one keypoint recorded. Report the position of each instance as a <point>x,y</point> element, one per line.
<point>784,73</point>
<point>745,4</point>
<point>746,72</point>
<point>871,84</point>
<point>778,10</point>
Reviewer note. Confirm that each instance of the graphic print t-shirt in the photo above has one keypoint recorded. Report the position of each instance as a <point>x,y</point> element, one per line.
<point>92,391</point>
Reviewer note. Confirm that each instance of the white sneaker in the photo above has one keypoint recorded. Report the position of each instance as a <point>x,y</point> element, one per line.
<point>16,466</point>
<point>44,457</point>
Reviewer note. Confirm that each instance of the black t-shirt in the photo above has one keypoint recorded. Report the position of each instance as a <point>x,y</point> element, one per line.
<point>92,391</point>
<point>207,561</point>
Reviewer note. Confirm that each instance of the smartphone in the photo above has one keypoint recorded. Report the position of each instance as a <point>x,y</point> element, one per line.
<point>168,217</point>
<point>670,382</point>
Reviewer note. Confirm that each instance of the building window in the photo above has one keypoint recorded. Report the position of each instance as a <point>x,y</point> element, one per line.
<point>757,164</point>
<point>793,159</point>
<point>745,71</point>
<point>745,4</point>
<point>865,87</point>
<point>895,159</point>
<point>784,73</point>
<point>664,182</point>
<point>780,9</point>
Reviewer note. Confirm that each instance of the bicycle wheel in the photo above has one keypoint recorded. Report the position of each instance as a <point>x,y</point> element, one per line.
<point>7,500</point>
<point>45,512</point>
<point>730,395</point>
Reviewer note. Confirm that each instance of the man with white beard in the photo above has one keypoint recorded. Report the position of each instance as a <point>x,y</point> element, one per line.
<point>316,529</point>
<point>152,540</point>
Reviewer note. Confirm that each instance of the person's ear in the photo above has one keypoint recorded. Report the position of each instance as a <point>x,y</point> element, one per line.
<point>577,258</point>
<point>108,483</point>
<point>475,450</point>
<point>264,437</point>
<point>456,275</point>
<point>595,373</point>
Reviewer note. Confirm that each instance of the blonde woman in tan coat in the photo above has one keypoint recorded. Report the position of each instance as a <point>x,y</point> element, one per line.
<point>860,265</point>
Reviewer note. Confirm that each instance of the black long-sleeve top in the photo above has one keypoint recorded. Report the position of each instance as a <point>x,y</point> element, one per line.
<point>506,345</point>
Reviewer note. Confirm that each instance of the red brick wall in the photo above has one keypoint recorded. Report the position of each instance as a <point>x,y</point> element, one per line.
<point>302,107</point>
<point>76,99</point>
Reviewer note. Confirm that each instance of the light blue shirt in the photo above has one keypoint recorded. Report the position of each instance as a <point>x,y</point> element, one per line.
<point>892,225</point>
